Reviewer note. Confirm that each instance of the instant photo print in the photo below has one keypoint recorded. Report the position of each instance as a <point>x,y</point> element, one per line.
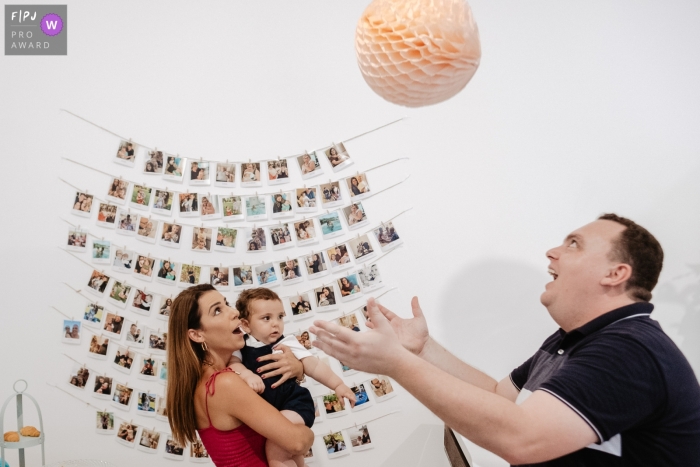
<point>330,224</point>
<point>119,294</point>
<point>242,277</point>
<point>173,450</point>
<point>335,445</point>
<point>146,403</point>
<point>123,359</point>
<point>257,240</point>
<point>127,222</point>
<point>381,388</point>
<point>225,175</point>
<point>174,168</point>
<point>358,186</point>
<point>153,165</point>
<point>199,172</point>
<point>101,251</point>
<point>326,298</point>
<point>102,387</point>
<point>171,235</point>
<point>143,269</point>
<point>104,423</point>
<point>210,208</point>
<point>282,204</point>
<point>250,174</point>
<point>163,202</point>
<point>355,215</point>
<point>147,371</point>
<point>266,275</point>
<point>339,257</point>
<point>165,307</point>
<point>141,302</point>
<point>97,284</point>
<point>277,172</point>
<point>98,347</point>
<point>126,434</point>
<point>77,240</point>
<point>157,341</point>
<point>201,239</point>
<point>334,406</point>
<point>135,335</point>
<point>161,409</point>
<point>348,321</point>
<point>107,216</point>
<point>370,278</point>
<point>92,316</point>
<point>188,204</point>
<point>141,197</point>
<point>225,240</point>
<point>315,264</point>
<point>198,453</point>
<point>219,277</point>
<point>307,199</point>
<point>82,204</point>
<point>349,287</point>
<point>361,248</point>
<point>360,439</point>
<point>147,229</point>
<point>116,192</point>
<point>300,306</point>
<point>114,325</point>
<point>149,441</point>
<point>305,338</point>
<point>309,165</point>
<point>79,376</point>
<point>126,153</point>
<point>387,237</point>
<point>190,275</point>
<point>338,156</point>
<point>281,236</point>
<point>290,271</point>
<point>232,208</point>
<point>71,331</point>
<point>256,208</point>
<point>305,231</point>
<point>362,398</point>
<point>331,195</point>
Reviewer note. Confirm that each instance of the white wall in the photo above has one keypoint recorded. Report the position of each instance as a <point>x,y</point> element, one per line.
<point>577,109</point>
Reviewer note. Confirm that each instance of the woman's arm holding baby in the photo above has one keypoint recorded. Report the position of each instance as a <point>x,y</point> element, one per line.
<point>323,374</point>
<point>251,379</point>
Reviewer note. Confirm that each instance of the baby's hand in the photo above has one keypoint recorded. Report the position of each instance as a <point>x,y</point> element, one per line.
<point>253,380</point>
<point>343,391</point>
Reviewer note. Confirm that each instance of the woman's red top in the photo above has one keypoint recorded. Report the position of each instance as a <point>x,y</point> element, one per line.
<point>240,447</point>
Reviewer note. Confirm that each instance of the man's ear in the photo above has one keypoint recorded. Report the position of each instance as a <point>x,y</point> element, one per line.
<point>195,335</point>
<point>246,325</point>
<point>618,274</point>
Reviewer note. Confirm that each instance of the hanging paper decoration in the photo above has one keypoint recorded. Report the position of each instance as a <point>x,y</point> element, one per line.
<point>417,52</point>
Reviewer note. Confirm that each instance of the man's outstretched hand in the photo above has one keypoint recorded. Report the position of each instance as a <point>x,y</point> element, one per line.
<point>412,332</point>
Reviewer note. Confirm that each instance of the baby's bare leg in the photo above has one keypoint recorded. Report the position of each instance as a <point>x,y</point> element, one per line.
<point>279,457</point>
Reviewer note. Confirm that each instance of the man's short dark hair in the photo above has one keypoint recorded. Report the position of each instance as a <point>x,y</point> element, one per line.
<point>638,248</point>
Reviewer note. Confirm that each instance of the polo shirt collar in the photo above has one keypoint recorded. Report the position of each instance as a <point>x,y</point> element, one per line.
<point>627,311</point>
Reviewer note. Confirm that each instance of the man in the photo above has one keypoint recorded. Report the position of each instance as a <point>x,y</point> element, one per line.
<point>609,388</point>
<point>194,171</point>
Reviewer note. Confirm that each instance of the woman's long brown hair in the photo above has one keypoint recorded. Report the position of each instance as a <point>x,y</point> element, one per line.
<point>185,359</point>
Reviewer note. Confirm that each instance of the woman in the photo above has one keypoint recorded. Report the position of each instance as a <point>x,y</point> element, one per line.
<point>204,395</point>
<point>316,264</point>
<point>207,207</point>
<point>354,184</point>
<point>149,167</point>
<point>347,288</point>
<point>164,270</point>
<point>307,165</point>
<point>251,173</point>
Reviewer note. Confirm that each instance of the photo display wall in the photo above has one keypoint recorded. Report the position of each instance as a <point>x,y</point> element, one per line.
<point>177,222</point>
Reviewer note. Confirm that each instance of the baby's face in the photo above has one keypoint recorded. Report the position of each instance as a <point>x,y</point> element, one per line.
<point>266,320</point>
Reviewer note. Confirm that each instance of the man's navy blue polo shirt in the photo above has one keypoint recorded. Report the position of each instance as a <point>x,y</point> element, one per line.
<point>626,378</point>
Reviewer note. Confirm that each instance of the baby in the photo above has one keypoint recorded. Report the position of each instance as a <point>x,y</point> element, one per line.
<point>262,314</point>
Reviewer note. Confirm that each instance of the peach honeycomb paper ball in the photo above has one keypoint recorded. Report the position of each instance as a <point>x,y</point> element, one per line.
<point>417,52</point>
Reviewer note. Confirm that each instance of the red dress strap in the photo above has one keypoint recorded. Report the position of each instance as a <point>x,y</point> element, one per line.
<point>210,389</point>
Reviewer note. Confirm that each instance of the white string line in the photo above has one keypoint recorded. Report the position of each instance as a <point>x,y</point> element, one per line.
<point>94,266</point>
<point>84,191</point>
<point>187,191</point>
<point>211,160</point>
<point>83,365</point>
<point>69,317</point>
<point>358,423</point>
<point>104,409</point>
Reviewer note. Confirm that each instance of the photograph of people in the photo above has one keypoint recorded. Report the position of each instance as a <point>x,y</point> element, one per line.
<point>141,197</point>
<point>349,285</point>
<point>210,206</point>
<point>242,275</point>
<point>164,201</point>
<point>124,358</point>
<point>107,215</point>
<point>105,420</point>
<point>154,162</point>
<point>330,224</point>
<point>359,438</point>
<point>266,274</point>
<point>126,153</point>
<point>308,163</point>
<point>277,171</point>
<point>127,432</point>
<point>290,270</point>
<point>98,282</point>
<point>134,335</point>
<point>174,168</point>
<point>315,263</point>
<point>387,236</point>
<point>330,194</point>
<point>306,199</point>
<point>335,443</point>
<point>338,156</point>
<point>117,190</point>
<point>339,256</point>
<point>189,275</point>
<point>171,235</point>
<point>300,304</point>
<point>206,330</point>
<point>357,185</point>
<point>199,173</point>
<point>77,240</point>
<point>258,240</point>
<point>225,174</point>
<point>251,173</point>
<point>201,238</point>
<point>82,204</point>
<point>305,231</point>
<point>606,356</point>
<point>355,214</point>
<point>232,207</point>
<point>325,296</point>
<point>381,386</point>
<point>282,204</point>
<point>79,377</point>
